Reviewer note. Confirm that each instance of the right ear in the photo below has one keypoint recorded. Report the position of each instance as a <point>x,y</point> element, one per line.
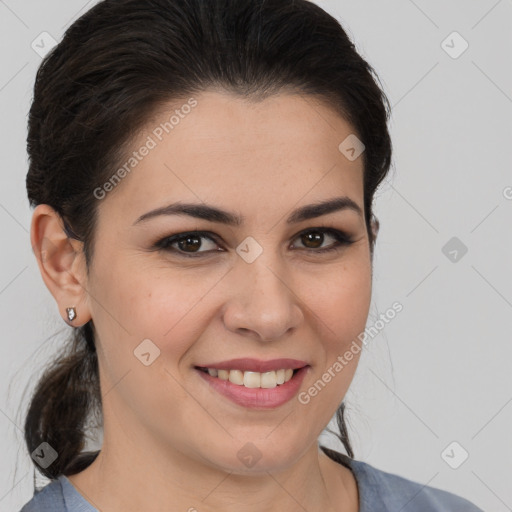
<point>61,262</point>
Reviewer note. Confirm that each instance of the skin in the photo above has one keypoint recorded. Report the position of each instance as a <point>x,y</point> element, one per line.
<point>170,441</point>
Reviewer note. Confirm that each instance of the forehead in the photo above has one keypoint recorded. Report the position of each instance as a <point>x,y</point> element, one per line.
<point>220,148</point>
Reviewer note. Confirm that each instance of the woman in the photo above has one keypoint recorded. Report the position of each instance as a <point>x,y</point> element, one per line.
<point>202,173</point>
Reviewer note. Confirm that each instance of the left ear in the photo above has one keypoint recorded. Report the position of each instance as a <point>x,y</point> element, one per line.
<point>375,224</point>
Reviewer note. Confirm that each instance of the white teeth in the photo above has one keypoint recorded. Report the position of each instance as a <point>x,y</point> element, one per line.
<point>269,380</point>
<point>223,374</point>
<point>252,380</point>
<point>266,380</point>
<point>236,377</point>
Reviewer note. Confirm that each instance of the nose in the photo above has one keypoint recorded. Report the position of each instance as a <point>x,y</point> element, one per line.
<point>262,303</point>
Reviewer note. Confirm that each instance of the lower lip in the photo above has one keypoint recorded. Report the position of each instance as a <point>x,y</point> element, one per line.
<point>261,398</point>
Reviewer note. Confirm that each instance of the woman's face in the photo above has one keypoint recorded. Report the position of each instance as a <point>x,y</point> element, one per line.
<point>258,289</point>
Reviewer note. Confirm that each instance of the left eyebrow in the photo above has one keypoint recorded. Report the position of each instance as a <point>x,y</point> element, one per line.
<point>213,214</point>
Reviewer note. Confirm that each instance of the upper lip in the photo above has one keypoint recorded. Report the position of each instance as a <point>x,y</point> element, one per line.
<point>256,365</point>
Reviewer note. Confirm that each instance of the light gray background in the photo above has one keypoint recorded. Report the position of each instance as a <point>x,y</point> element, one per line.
<point>440,371</point>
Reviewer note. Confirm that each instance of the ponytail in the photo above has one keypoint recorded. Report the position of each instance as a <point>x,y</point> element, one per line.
<point>65,396</point>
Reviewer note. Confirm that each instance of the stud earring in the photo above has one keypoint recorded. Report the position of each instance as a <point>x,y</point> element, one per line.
<point>71,313</point>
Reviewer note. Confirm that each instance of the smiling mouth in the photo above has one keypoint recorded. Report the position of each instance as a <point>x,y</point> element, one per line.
<point>249,379</point>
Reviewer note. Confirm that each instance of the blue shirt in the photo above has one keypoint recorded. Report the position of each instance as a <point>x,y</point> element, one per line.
<point>379,491</point>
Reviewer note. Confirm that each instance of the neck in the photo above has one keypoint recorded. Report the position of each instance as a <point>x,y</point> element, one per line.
<point>129,476</point>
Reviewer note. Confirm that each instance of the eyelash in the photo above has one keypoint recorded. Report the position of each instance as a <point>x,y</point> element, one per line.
<point>342,240</point>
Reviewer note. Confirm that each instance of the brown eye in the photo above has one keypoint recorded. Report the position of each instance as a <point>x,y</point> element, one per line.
<point>186,244</point>
<point>314,238</point>
<point>190,242</point>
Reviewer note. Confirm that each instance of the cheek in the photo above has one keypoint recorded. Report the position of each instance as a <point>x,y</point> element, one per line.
<point>172,309</point>
<point>341,303</point>
<point>137,305</point>
<point>339,312</point>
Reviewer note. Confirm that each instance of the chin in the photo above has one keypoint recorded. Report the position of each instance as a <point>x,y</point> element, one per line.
<point>254,457</point>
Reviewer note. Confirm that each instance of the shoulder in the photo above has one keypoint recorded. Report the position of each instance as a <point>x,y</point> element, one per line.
<point>49,498</point>
<point>387,492</point>
<point>399,493</point>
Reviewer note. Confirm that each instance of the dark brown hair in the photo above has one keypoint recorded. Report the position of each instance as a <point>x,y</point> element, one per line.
<point>115,66</point>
